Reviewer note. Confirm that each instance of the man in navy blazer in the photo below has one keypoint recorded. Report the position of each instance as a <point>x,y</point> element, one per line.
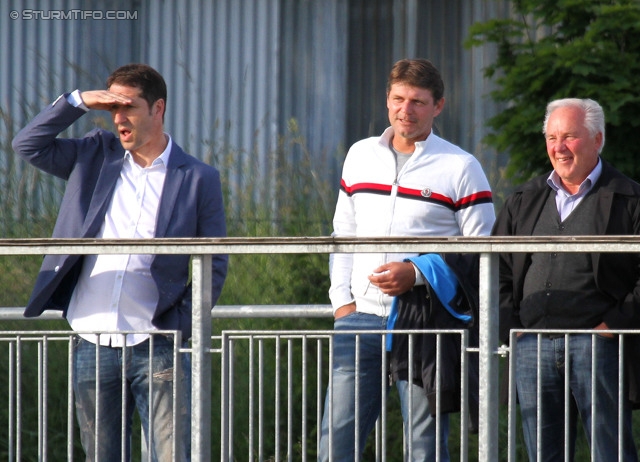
<point>139,184</point>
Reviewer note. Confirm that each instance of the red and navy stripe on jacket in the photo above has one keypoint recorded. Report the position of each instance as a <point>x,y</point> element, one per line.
<point>424,195</point>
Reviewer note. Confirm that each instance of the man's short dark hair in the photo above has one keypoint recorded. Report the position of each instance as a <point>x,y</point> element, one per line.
<point>419,73</point>
<point>142,76</point>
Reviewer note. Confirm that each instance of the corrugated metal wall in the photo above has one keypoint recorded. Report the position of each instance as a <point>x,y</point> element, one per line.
<point>220,60</point>
<point>239,71</point>
<point>41,56</point>
<point>386,31</point>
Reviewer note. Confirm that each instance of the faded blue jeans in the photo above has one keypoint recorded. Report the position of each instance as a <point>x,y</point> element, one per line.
<point>339,429</point>
<point>108,446</point>
<point>553,358</point>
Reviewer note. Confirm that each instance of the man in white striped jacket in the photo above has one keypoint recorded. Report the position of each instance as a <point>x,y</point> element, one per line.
<point>407,182</point>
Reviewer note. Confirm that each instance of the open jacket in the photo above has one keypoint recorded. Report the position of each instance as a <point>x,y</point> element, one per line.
<point>190,206</point>
<point>616,274</point>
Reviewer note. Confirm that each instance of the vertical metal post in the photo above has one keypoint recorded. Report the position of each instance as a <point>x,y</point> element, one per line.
<point>489,364</point>
<point>70,400</point>
<point>464,396</point>
<point>225,446</point>
<point>201,358</point>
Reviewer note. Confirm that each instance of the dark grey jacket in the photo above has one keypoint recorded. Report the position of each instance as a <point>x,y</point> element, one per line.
<point>616,274</point>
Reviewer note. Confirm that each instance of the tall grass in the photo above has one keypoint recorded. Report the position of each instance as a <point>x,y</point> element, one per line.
<point>27,209</point>
<point>285,194</point>
<point>292,197</point>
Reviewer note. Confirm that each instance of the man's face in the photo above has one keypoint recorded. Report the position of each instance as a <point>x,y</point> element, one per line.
<point>573,151</point>
<point>138,125</point>
<point>411,113</point>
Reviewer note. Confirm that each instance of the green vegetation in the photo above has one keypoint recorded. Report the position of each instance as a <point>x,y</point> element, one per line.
<point>304,207</point>
<point>299,202</point>
<point>549,49</point>
<point>553,49</point>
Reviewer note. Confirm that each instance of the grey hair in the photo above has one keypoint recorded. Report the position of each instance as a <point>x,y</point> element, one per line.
<point>593,114</point>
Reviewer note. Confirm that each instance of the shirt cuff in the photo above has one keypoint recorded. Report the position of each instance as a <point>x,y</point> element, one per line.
<point>419,277</point>
<point>75,100</point>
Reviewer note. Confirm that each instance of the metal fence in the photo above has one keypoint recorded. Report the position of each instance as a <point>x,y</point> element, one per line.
<point>620,394</point>
<point>293,421</point>
<point>269,388</point>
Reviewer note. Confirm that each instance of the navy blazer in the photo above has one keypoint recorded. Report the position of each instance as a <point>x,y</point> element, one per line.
<point>190,206</point>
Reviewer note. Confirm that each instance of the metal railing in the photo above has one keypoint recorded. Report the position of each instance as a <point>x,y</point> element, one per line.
<point>201,250</point>
<point>622,337</point>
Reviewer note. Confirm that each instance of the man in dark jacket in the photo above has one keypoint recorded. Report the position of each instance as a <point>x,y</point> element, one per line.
<point>583,195</point>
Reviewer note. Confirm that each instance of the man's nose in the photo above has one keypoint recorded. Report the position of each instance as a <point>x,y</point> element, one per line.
<point>558,145</point>
<point>405,110</point>
<point>117,116</point>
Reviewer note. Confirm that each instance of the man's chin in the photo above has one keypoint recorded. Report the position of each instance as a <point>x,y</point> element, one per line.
<point>412,136</point>
<point>409,133</point>
<point>126,144</point>
<point>403,133</point>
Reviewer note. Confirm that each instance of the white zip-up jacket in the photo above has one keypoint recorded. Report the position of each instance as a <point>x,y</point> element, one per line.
<point>441,191</point>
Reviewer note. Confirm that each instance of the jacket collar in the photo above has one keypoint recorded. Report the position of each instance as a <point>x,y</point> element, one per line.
<point>610,179</point>
<point>172,184</point>
<point>536,192</point>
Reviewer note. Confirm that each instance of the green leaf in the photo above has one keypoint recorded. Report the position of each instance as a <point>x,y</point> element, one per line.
<point>554,49</point>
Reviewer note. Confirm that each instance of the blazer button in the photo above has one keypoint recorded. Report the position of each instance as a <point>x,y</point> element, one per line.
<point>56,269</point>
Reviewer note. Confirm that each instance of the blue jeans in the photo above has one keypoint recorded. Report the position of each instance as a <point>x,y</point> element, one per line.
<point>553,357</point>
<point>339,430</point>
<point>109,446</point>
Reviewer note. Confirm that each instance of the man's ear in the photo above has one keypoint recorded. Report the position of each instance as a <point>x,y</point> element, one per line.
<point>439,106</point>
<point>599,140</point>
<point>158,107</point>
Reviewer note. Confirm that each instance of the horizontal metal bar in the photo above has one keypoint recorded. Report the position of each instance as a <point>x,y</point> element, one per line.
<point>272,311</point>
<point>273,245</point>
<point>221,311</point>
<point>15,314</point>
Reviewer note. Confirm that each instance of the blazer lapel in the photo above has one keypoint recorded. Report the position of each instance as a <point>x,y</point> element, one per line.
<point>172,184</point>
<point>529,215</point>
<point>104,190</point>
<point>603,210</point>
